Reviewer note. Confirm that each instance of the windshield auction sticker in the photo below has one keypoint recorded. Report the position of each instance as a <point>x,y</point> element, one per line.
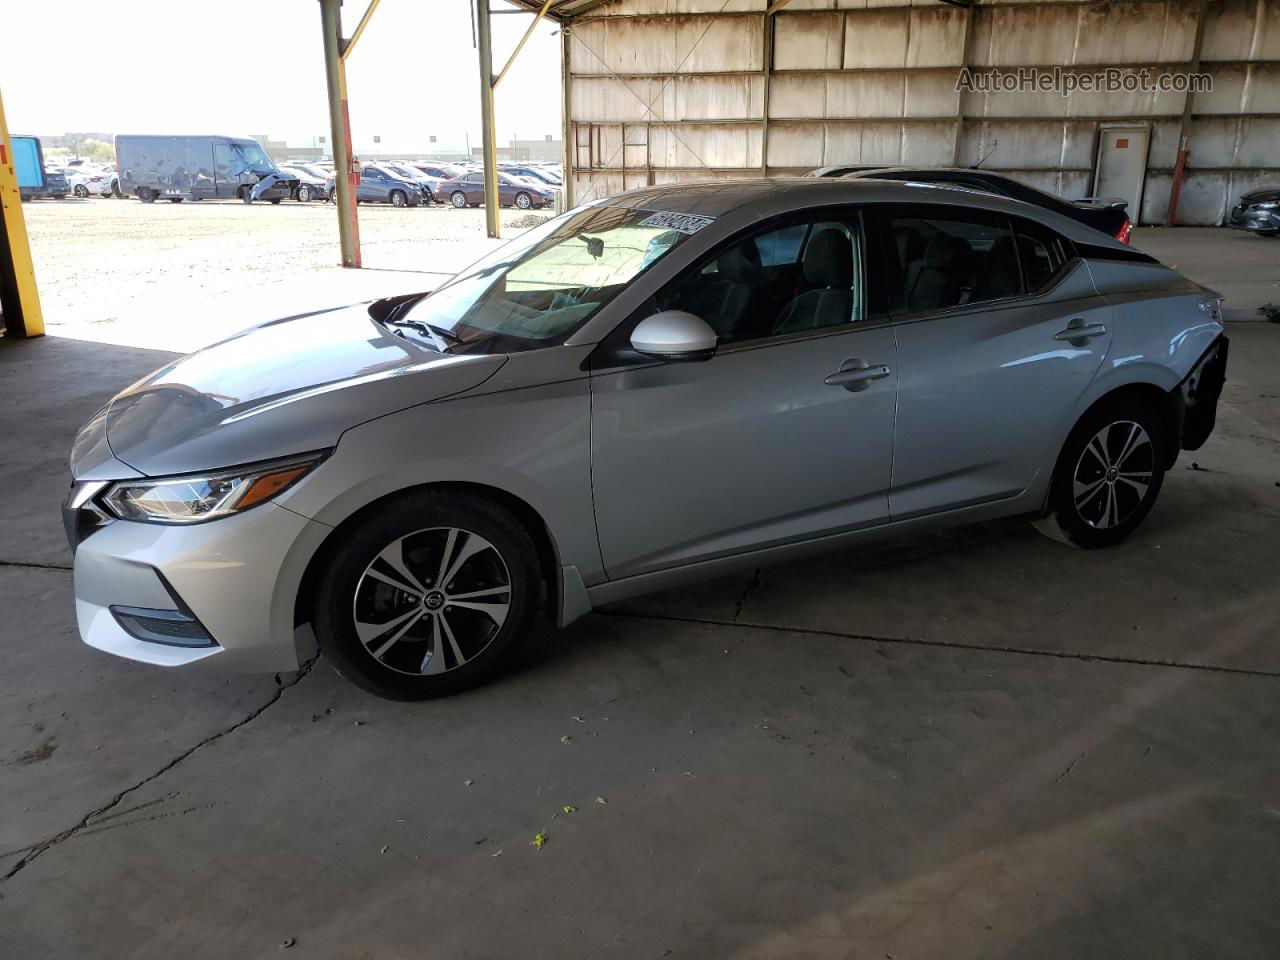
<point>682,222</point>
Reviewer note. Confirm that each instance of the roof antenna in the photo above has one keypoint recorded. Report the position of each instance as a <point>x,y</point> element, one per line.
<point>986,156</point>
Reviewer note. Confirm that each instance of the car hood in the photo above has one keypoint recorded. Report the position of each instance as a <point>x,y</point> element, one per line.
<point>286,387</point>
<point>1260,196</point>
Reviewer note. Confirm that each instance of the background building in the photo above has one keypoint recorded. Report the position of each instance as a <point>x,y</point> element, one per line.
<point>670,89</point>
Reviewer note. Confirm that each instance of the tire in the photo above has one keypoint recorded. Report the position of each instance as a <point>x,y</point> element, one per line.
<point>274,201</point>
<point>397,198</point>
<point>404,653</point>
<point>81,191</point>
<point>176,199</point>
<point>115,189</point>
<point>1108,475</point>
<point>523,201</point>
<point>458,199</point>
<point>146,195</point>
<point>304,193</point>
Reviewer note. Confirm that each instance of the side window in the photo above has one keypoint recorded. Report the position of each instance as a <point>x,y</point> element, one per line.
<point>951,261</point>
<point>790,279</point>
<point>1041,252</point>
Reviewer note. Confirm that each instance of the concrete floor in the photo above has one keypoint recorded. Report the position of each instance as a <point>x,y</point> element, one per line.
<point>977,744</point>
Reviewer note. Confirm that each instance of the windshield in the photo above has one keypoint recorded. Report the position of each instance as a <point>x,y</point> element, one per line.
<point>541,287</point>
<point>254,156</point>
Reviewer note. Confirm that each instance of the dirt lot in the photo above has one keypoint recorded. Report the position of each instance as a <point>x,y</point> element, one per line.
<point>124,272</point>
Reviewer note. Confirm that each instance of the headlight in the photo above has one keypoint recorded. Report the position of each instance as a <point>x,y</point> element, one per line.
<point>193,499</point>
<point>1269,204</point>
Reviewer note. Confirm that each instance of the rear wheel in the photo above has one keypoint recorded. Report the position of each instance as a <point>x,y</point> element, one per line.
<point>458,199</point>
<point>146,195</point>
<point>81,191</point>
<point>275,200</point>
<point>1108,475</point>
<point>428,596</point>
<point>176,199</point>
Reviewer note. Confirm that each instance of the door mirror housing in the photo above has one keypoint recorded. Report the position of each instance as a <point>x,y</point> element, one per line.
<point>674,335</point>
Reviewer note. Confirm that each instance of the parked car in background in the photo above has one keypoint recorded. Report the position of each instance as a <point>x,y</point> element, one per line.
<point>199,168</point>
<point>652,389</point>
<point>311,186</point>
<point>468,191</point>
<point>89,181</point>
<point>380,185</point>
<point>536,174</point>
<point>430,186</point>
<point>1257,211</point>
<point>1107,215</point>
<point>56,186</point>
<point>440,171</point>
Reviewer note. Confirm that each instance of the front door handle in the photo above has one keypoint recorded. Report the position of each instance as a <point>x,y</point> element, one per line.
<point>856,375</point>
<point>1079,331</point>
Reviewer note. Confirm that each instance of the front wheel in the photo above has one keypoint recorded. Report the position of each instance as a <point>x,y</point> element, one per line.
<point>428,596</point>
<point>458,199</point>
<point>523,201</point>
<point>1108,475</point>
<point>398,199</point>
<point>147,195</point>
<point>304,193</point>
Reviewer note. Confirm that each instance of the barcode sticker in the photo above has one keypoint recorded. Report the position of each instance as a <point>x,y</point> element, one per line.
<point>682,222</point>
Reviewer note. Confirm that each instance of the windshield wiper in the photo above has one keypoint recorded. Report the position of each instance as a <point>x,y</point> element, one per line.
<point>438,334</point>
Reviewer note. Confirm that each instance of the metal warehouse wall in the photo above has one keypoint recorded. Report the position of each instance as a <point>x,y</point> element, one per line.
<point>662,90</point>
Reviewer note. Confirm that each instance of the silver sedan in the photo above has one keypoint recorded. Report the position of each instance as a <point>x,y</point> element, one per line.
<point>647,390</point>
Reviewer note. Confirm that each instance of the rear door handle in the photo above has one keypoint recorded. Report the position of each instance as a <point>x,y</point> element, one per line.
<point>857,377</point>
<point>1079,330</point>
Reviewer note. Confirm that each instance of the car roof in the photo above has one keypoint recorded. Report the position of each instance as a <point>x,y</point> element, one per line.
<point>747,199</point>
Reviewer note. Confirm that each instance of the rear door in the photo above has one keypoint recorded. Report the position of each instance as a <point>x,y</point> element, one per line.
<point>999,331</point>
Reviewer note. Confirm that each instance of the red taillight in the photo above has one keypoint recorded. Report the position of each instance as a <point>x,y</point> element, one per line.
<point>1125,229</point>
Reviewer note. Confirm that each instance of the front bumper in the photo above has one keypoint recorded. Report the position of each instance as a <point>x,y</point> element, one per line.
<point>221,593</point>
<point>1255,219</point>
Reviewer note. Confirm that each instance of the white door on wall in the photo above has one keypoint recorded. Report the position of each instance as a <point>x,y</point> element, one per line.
<point>1122,165</point>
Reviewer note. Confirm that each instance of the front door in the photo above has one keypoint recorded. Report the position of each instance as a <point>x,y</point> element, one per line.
<point>784,435</point>
<point>999,332</point>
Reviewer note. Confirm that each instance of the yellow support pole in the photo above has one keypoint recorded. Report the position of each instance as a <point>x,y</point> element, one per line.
<point>19,298</point>
<point>344,176</point>
<point>488,136</point>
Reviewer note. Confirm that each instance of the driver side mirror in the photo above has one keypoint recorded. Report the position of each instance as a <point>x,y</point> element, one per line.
<point>674,335</point>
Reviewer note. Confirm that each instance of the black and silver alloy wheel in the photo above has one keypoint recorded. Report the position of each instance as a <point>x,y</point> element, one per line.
<point>431,601</point>
<point>427,594</point>
<point>1108,475</point>
<point>1113,474</point>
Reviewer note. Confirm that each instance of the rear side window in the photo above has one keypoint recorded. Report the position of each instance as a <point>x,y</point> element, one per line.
<point>950,260</point>
<point>1041,252</point>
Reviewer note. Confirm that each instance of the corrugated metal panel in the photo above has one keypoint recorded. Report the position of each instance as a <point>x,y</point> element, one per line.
<point>873,81</point>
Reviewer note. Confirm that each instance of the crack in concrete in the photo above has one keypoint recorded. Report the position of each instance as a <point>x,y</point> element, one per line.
<point>35,565</point>
<point>952,645</point>
<point>1070,766</point>
<point>36,850</point>
<point>746,592</point>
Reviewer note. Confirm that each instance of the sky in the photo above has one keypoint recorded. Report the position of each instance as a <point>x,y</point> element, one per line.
<point>145,66</point>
